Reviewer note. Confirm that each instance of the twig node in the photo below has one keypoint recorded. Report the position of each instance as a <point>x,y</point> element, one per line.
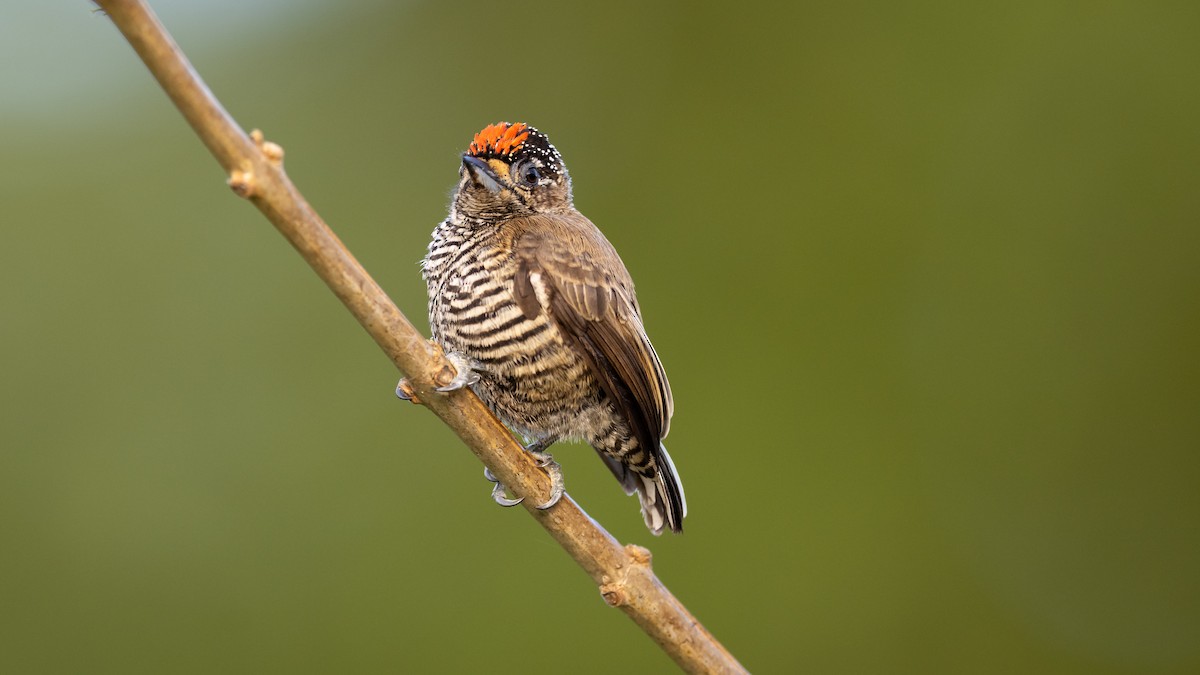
<point>242,183</point>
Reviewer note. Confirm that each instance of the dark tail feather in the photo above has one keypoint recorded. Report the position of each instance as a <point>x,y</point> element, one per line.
<point>660,492</point>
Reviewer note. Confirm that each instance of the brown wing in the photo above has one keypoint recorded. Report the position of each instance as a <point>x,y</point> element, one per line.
<point>568,269</point>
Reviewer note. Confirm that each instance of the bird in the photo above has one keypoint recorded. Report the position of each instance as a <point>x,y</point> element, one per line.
<point>536,311</point>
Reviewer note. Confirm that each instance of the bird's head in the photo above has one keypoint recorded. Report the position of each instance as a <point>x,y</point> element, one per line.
<point>511,170</point>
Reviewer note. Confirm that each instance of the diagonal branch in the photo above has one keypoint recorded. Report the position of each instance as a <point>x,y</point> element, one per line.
<point>255,169</point>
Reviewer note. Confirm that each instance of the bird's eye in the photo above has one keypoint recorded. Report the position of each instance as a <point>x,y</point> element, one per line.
<point>527,174</point>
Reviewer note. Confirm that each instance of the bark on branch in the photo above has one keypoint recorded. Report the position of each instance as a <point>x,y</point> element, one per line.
<point>255,169</point>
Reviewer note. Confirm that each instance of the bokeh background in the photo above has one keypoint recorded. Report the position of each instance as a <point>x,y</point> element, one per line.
<point>925,277</point>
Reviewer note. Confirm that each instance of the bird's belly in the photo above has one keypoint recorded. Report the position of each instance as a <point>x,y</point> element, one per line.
<point>548,393</point>
<point>528,376</point>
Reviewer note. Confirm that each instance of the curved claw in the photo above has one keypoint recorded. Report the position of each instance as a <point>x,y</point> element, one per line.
<point>554,470</point>
<point>503,499</point>
<point>498,491</point>
<point>405,392</point>
<point>464,376</point>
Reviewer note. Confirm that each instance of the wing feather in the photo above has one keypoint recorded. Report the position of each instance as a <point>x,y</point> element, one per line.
<point>567,269</point>
<point>590,295</point>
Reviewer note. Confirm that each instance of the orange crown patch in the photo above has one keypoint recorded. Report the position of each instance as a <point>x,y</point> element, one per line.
<point>499,139</point>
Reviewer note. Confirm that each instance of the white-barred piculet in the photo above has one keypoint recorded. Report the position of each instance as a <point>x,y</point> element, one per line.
<point>537,312</point>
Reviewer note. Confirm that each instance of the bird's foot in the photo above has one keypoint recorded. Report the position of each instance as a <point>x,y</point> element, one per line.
<point>546,462</point>
<point>464,375</point>
<point>552,469</point>
<point>462,372</point>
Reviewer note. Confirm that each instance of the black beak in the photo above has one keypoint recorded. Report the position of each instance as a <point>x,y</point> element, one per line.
<point>481,173</point>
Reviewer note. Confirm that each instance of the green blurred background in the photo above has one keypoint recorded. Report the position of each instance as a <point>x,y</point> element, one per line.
<point>925,277</point>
